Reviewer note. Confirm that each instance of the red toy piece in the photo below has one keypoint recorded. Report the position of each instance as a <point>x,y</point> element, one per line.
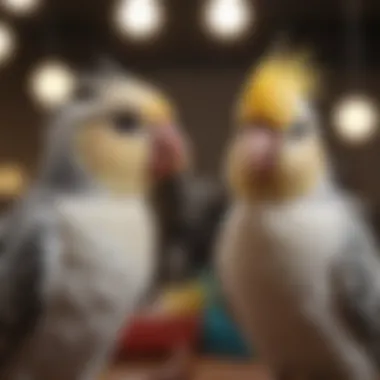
<point>157,334</point>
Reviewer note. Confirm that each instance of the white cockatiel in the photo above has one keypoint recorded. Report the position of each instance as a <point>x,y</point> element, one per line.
<point>78,253</point>
<point>297,262</point>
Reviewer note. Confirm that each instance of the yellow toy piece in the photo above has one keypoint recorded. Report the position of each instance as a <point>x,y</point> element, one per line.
<point>185,299</point>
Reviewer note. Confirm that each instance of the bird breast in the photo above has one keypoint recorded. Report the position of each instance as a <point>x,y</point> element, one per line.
<point>108,246</point>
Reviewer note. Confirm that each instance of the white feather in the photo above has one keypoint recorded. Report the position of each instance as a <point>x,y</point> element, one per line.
<point>275,265</point>
<point>98,275</point>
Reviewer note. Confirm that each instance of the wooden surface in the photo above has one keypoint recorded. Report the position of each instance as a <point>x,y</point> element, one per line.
<point>204,369</point>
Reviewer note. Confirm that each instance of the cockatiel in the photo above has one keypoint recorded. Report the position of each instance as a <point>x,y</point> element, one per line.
<point>295,258</point>
<point>78,252</point>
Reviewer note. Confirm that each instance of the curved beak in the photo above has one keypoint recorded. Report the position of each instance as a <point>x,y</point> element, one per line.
<point>261,147</point>
<point>169,152</point>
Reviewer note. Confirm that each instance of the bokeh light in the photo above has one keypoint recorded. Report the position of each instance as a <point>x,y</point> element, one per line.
<point>139,19</point>
<point>7,43</point>
<point>355,118</point>
<point>52,84</point>
<point>228,19</point>
<point>21,7</point>
<point>12,179</point>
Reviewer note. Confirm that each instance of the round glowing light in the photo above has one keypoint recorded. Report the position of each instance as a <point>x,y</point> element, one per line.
<point>52,84</point>
<point>12,180</point>
<point>139,19</point>
<point>228,19</point>
<point>7,43</point>
<point>21,7</point>
<point>355,119</point>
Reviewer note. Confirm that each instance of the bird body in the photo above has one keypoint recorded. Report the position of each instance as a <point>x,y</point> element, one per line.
<point>99,261</point>
<point>297,261</point>
<point>78,253</point>
<point>275,265</point>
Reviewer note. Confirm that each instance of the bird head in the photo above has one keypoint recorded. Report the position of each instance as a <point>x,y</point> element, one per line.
<point>122,137</point>
<point>276,153</point>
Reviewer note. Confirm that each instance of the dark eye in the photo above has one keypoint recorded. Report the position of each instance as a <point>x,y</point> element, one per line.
<point>125,122</point>
<point>298,130</point>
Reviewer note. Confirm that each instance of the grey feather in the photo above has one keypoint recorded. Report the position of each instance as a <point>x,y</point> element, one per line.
<point>21,274</point>
<point>356,280</point>
<point>37,309</point>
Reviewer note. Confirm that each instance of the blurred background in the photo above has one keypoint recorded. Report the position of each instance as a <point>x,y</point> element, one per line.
<point>199,54</point>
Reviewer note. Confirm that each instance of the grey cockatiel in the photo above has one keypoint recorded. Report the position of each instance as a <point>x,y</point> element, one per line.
<point>77,254</point>
<point>298,264</point>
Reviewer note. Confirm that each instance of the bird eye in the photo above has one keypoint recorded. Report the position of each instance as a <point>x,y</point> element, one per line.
<point>125,122</point>
<point>298,130</point>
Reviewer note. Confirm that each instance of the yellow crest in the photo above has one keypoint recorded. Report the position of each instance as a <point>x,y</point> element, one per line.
<point>274,89</point>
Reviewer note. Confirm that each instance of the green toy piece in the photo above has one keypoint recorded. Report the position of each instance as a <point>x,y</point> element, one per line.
<point>221,336</point>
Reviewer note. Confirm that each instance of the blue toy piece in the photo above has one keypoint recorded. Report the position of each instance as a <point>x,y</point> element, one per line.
<point>221,336</point>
